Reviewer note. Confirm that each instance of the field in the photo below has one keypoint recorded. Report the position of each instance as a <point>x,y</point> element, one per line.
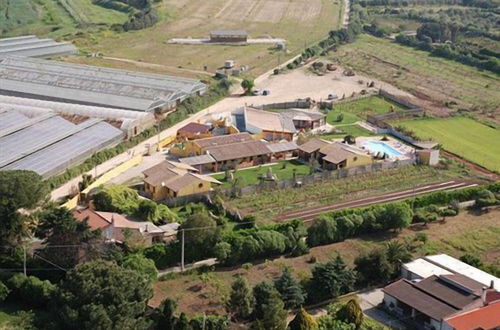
<point>53,18</point>
<point>283,170</point>
<point>463,136</point>
<point>432,79</point>
<point>267,204</point>
<point>194,18</point>
<point>351,129</point>
<point>207,291</point>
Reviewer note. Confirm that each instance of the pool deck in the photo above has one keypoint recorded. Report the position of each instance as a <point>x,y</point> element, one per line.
<point>406,151</point>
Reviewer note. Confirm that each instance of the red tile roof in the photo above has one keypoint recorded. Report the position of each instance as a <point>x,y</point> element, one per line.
<point>94,220</point>
<point>194,128</point>
<point>484,318</point>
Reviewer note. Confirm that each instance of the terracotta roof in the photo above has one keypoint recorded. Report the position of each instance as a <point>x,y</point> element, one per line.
<point>313,145</point>
<point>94,220</point>
<point>119,221</point>
<point>197,160</point>
<point>406,292</point>
<point>223,140</point>
<point>282,147</point>
<point>194,128</point>
<point>238,150</point>
<point>487,318</point>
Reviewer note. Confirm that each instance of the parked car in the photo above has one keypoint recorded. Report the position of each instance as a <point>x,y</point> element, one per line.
<point>266,92</point>
<point>256,92</point>
<point>332,96</point>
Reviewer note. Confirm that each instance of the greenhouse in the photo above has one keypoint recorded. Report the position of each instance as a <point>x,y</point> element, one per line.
<point>83,84</point>
<point>31,46</point>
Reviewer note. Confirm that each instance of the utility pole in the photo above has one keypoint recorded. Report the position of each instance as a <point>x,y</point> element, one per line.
<point>182,251</point>
<point>204,320</point>
<point>24,260</point>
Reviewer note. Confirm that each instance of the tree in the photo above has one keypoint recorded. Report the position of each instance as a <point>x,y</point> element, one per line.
<point>274,314</point>
<point>262,293</point>
<point>397,215</point>
<point>373,268</point>
<point>330,280</point>
<point>31,290</point>
<point>166,311</point>
<point>18,189</point>
<point>102,295</point>
<point>58,227</point>
<point>4,292</point>
<point>142,265</point>
<point>241,301</point>
<point>397,254</point>
<point>117,198</point>
<point>247,84</point>
<point>485,198</point>
<point>351,313</point>
<point>291,292</point>
<point>200,236</point>
<point>303,321</point>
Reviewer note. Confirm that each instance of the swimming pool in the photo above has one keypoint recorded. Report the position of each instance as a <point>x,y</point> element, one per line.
<point>381,147</point>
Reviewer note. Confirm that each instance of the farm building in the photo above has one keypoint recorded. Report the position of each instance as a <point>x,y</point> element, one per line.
<point>194,131</point>
<point>170,179</point>
<point>200,146</point>
<point>333,155</point>
<point>130,122</point>
<point>31,46</point>
<point>89,85</point>
<point>114,226</point>
<point>228,36</point>
<point>48,144</point>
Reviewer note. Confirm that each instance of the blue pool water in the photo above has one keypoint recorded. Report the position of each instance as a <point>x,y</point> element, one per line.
<point>376,147</point>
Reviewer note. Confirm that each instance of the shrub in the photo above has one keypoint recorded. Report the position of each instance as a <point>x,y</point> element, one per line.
<point>31,290</point>
<point>4,292</point>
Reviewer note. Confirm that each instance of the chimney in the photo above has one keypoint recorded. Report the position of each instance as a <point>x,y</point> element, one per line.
<point>492,284</point>
<point>483,296</point>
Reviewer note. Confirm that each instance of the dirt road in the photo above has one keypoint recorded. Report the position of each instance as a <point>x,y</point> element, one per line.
<point>311,213</point>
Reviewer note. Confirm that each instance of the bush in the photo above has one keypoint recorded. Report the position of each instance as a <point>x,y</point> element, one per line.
<point>31,290</point>
<point>142,265</point>
<point>4,292</point>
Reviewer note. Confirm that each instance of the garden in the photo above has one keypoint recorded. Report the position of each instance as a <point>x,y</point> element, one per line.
<point>283,170</point>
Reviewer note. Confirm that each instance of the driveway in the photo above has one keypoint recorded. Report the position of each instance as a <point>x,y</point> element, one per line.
<point>370,300</point>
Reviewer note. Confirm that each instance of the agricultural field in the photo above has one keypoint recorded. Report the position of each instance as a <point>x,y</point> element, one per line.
<point>358,110</point>
<point>434,80</point>
<point>267,204</point>
<point>206,291</point>
<point>463,136</point>
<point>283,170</point>
<point>192,18</point>
<point>54,18</point>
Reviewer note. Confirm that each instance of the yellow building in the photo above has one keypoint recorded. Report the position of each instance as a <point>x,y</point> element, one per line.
<point>200,146</point>
<point>332,156</point>
<point>171,179</point>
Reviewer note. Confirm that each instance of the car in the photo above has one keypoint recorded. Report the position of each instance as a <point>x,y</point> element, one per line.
<point>266,92</point>
<point>256,92</point>
<point>332,96</point>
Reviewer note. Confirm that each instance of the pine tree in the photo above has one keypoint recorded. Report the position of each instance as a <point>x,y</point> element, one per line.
<point>351,313</point>
<point>241,301</point>
<point>291,292</point>
<point>303,321</point>
<point>331,280</point>
<point>274,313</point>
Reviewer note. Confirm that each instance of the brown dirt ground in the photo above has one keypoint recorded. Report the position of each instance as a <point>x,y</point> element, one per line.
<point>206,293</point>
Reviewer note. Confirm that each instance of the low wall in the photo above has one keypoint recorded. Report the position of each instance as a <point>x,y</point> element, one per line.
<point>303,104</point>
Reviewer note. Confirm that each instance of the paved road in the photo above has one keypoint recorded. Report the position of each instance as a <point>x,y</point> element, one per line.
<point>311,213</point>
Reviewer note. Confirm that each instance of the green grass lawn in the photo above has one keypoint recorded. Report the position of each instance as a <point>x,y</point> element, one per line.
<point>463,136</point>
<point>359,109</point>
<point>283,170</point>
<point>354,130</point>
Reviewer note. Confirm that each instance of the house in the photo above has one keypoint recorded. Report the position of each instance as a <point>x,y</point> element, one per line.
<point>442,264</point>
<point>194,131</point>
<point>200,146</point>
<point>333,155</point>
<point>305,119</point>
<point>228,36</point>
<point>267,125</point>
<point>171,179</point>
<point>425,304</point>
<point>115,227</point>
<point>482,318</point>
<point>283,150</point>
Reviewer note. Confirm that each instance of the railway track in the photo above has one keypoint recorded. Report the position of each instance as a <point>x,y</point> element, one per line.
<point>311,213</point>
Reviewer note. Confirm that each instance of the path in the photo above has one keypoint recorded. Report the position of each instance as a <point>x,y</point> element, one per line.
<point>311,213</point>
<point>194,265</point>
<point>156,66</point>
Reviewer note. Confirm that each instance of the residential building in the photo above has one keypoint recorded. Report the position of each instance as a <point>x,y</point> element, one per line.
<point>425,304</point>
<point>115,227</point>
<point>171,179</point>
<point>305,119</point>
<point>267,125</point>
<point>200,146</point>
<point>333,155</point>
<point>194,131</point>
<point>483,318</point>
